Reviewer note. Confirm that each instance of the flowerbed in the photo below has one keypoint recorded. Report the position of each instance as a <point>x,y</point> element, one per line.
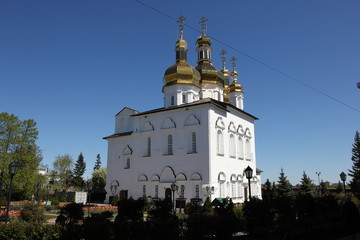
<point>107,208</point>
<point>11,213</point>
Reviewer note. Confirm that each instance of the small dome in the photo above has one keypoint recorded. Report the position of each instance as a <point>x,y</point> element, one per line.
<point>203,40</point>
<point>235,87</point>
<point>181,73</point>
<point>181,43</point>
<point>209,74</point>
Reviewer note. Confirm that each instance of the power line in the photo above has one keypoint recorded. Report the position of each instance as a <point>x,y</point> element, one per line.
<point>255,59</point>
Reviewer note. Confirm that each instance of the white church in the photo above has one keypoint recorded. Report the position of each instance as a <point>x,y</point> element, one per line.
<point>196,146</point>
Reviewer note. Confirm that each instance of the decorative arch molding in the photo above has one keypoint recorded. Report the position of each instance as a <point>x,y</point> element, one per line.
<point>233,178</point>
<point>155,178</point>
<point>142,178</point>
<point>181,177</point>
<point>168,124</point>
<point>191,120</point>
<point>239,178</point>
<point>115,183</point>
<point>248,133</point>
<point>221,177</point>
<point>127,150</point>
<point>167,175</point>
<point>196,177</point>
<point>240,130</point>
<point>231,127</point>
<point>255,179</point>
<point>220,123</point>
<point>147,127</point>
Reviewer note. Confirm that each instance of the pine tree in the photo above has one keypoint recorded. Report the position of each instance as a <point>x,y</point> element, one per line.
<point>78,172</point>
<point>355,171</point>
<point>283,188</point>
<point>97,163</point>
<point>306,186</point>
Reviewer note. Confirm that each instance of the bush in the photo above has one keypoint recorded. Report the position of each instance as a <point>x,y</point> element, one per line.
<point>25,231</point>
<point>32,213</point>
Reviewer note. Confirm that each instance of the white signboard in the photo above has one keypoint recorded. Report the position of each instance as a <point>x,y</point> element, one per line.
<point>81,197</point>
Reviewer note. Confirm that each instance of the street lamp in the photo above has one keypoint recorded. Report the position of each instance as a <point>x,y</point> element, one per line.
<point>89,188</point>
<point>318,174</point>
<point>248,173</point>
<point>13,168</point>
<point>343,178</point>
<point>174,188</point>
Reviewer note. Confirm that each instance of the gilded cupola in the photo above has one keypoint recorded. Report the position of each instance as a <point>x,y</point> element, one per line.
<point>181,72</point>
<point>209,74</point>
<point>225,72</point>
<point>234,86</point>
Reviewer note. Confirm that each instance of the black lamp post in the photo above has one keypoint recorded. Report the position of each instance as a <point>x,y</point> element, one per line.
<point>248,173</point>
<point>13,168</point>
<point>89,188</point>
<point>343,178</point>
<point>174,188</point>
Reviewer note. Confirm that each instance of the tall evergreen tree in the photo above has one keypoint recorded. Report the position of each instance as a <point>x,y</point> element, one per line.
<point>78,172</point>
<point>306,186</point>
<point>97,163</point>
<point>283,188</point>
<point>355,171</point>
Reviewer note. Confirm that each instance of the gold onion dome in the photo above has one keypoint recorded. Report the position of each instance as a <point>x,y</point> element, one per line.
<point>235,86</point>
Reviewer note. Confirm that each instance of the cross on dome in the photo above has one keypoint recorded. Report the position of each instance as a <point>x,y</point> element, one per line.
<point>202,22</point>
<point>223,58</point>
<point>181,25</point>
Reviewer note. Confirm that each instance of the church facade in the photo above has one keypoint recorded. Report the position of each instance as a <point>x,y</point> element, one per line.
<point>196,146</point>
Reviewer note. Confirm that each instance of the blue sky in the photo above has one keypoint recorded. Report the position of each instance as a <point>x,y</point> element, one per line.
<point>72,65</point>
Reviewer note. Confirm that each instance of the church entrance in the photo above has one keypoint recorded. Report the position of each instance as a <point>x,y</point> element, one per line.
<point>168,194</point>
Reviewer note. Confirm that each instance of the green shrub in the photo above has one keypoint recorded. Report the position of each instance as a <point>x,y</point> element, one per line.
<point>32,213</point>
<point>26,231</point>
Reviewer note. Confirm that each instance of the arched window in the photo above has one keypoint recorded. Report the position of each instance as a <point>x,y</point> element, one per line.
<point>182,191</point>
<point>220,143</point>
<point>240,148</point>
<point>127,163</point>
<point>183,98</point>
<point>149,146</point>
<point>232,145</point>
<point>248,150</point>
<point>172,100</point>
<point>156,191</point>
<point>170,145</point>
<point>193,142</point>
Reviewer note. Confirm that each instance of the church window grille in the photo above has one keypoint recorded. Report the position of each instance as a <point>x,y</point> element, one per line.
<point>220,143</point>
<point>183,98</point>
<point>144,190</point>
<point>170,145</point>
<point>149,146</point>
<point>193,142</point>
<point>197,191</point>
<point>127,164</point>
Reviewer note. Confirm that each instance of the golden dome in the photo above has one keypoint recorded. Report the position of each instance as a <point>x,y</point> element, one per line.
<point>181,43</point>
<point>209,74</point>
<point>235,87</point>
<point>203,40</point>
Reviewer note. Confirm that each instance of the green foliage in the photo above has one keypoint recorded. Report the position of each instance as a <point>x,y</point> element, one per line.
<point>63,196</point>
<point>62,171</point>
<point>306,186</point>
<point>207,208</point>
<point>130,210</point>
<point>146,203</point>
<point>97,162</point>
<point>98,226</point>
<point>79,170</point>
<point>18,143</point>
<point>32,213</point>
<point>99,180</point>
<point>114,200</point>
<point>73,212</point>
<point>26,231</point>
<point>355,170</point>
<point>283,188</point>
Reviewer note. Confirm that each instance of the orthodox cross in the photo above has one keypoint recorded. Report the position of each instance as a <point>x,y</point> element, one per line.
<point>203,24</point>
<point>181,25</point>
<point>223,58</point>
<point>233,63</point>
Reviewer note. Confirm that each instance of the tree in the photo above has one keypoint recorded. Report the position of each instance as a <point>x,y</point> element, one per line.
<point>306,186</point>
<point>99,180</point>
<point>97,163</point>
<point>62,171</point>
<point>283,188</point>
<point>78,172</point>
<point>355,171</point>
<point>18,143</point>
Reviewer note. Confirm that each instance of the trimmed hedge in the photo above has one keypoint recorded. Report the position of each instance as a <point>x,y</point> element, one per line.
<point>27,231</point>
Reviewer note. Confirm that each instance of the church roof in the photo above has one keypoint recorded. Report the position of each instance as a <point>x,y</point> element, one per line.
<point>118,135</point>
<point>219,104</point>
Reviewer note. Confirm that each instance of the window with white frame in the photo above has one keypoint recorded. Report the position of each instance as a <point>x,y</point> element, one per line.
<point>220,143</point>
<point>172,101</point>
<point>156,191</point>
<point>144,190</point>
<point>127,163</point>
<point>240,148</point>
<point>248,149</point>
<point>183,98</point>
<point>232,146</point>
<point>197,191</point>
<point>170,145</point>
<point>193,142</point>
